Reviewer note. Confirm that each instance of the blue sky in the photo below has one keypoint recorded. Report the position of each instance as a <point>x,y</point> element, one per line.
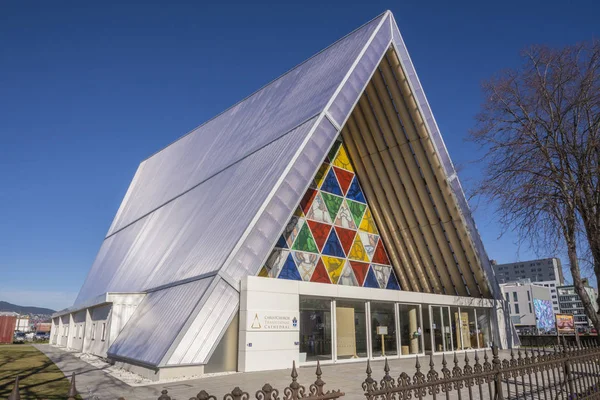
<point>90,89</point>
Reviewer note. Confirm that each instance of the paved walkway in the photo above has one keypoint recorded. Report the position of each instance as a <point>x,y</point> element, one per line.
<point>347,377</point>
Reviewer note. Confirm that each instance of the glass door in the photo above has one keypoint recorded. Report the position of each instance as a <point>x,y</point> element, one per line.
<point>442,330</point>
<point>410,329</point>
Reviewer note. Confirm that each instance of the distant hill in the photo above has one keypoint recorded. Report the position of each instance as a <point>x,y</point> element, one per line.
<point>5,306</point>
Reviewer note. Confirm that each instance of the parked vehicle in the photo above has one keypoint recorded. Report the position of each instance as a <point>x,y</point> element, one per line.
<point>19,337</point>
<point>42,336</point>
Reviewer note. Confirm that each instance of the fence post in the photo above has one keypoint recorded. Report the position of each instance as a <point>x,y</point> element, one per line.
<point>498,373</point>
<point>567,367</point>
<point>72,389</point>
<point>15,395</point>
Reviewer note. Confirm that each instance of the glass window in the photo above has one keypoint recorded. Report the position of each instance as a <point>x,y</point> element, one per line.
<point>410,329</point>
<point>529,304</point>
<point>383,316</point>
<point>351,329</point>
<point>315,329</point>
<point>517,309</point>
<point>515,296</point>
<point>467,316</point>
<point>484,327</point>
<point>529,296</point>
<point>438,328</point>
<point>455,320</point>
<point>103,331</point>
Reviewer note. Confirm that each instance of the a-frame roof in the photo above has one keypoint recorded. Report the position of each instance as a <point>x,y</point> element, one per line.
<point>206,211</point>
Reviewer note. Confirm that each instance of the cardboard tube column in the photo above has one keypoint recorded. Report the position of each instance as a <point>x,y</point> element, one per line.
<point>412,328</point>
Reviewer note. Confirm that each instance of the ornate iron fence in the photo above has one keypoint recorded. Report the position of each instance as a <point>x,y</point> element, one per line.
<point>563,372</point>
<point>294,391</point>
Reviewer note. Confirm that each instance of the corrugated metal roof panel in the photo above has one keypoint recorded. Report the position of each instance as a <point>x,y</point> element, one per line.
<point>157,321</point>
<point>254,122</point>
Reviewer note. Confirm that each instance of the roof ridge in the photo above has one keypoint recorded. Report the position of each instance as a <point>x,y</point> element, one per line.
<point>268,84</point>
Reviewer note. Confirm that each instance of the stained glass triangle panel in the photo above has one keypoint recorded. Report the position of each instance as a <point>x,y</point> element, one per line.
<point>320,274</point>
<point>320,232</point>
<point>360,271</point>
<point>346,237</point>
<point>344,178</point>
<point>382,273</point>
<point>289,270</point>
<point>306,263</point>
<point>332,203</point>
<point>281,243</point>
<point>357,252</point>
<point>371,280</point>
<point>333,247</point>
<point>393,282</point>
<point>331,185</point>
<point>370,242</point>
<point>318,210</point>
<point>344,217</point>
<point>368,224</point>
<point>305,241</point>
<point>347,278</point>
<point>357,210</point>
<point>341,160</point>
<point>355,192</point>
<point>334,267</point>
<point>380,256</point>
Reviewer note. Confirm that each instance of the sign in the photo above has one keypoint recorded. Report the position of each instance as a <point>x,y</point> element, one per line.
<point>272,321</point>
<point>565,324</point>
<point>382,330</point>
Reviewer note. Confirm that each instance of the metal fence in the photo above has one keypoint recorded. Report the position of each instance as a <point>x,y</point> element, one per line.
<point>562,372</point>
<point>294,391</point>
<point>565,372</point>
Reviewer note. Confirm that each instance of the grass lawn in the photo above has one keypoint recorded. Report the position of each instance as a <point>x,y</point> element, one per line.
<point>39,377</point>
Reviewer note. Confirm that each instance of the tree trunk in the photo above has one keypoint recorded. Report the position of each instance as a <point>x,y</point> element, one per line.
<point>579,287</point>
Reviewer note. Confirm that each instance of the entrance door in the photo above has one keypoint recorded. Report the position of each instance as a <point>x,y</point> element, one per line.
<point>441,329</point>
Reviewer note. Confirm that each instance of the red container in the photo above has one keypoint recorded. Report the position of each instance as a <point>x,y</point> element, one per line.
<point>7,328</point>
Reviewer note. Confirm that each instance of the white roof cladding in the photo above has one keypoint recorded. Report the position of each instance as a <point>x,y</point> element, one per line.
<point>167,218</point>
<point>207,210</point>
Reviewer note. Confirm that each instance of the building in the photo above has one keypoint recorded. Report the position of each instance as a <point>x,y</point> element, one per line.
<point>320,218</point>
<point>530,304</point>
<point>570,303</point>
<point>546,272</point>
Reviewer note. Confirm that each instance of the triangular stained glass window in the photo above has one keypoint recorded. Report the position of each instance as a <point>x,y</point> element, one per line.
<point>368,224</point>
<point>355,192</point>
<point>344,217</point>
<point>357,210</point>
<point>344,178</point>
<point>320,232</point>
<point>371,280</point>
<point>305,241</point>
<point>289,270</point>
<point>332,234</point>
<point>347,277</point>
<point>334,267</point>
<point>341,160</point>
<point>357,252</point>
<point>306,263</point>
<point>333,247</point>
<point>360,271</point>
<point>393,282</point>
<point>346,237</point>
<point>318,210</point>
<point>320,274</point>
<point>332,203</point>
<point>331,185</point>
<point>380,256</point>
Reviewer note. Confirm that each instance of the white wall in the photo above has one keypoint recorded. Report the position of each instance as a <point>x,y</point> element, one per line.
<point>99,321</point>
<point>77,330</point>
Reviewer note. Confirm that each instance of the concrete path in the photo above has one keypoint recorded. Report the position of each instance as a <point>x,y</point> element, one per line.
<point>347,377</point>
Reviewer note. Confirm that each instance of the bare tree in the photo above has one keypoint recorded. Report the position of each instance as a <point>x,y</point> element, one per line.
<point>540,126</point>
